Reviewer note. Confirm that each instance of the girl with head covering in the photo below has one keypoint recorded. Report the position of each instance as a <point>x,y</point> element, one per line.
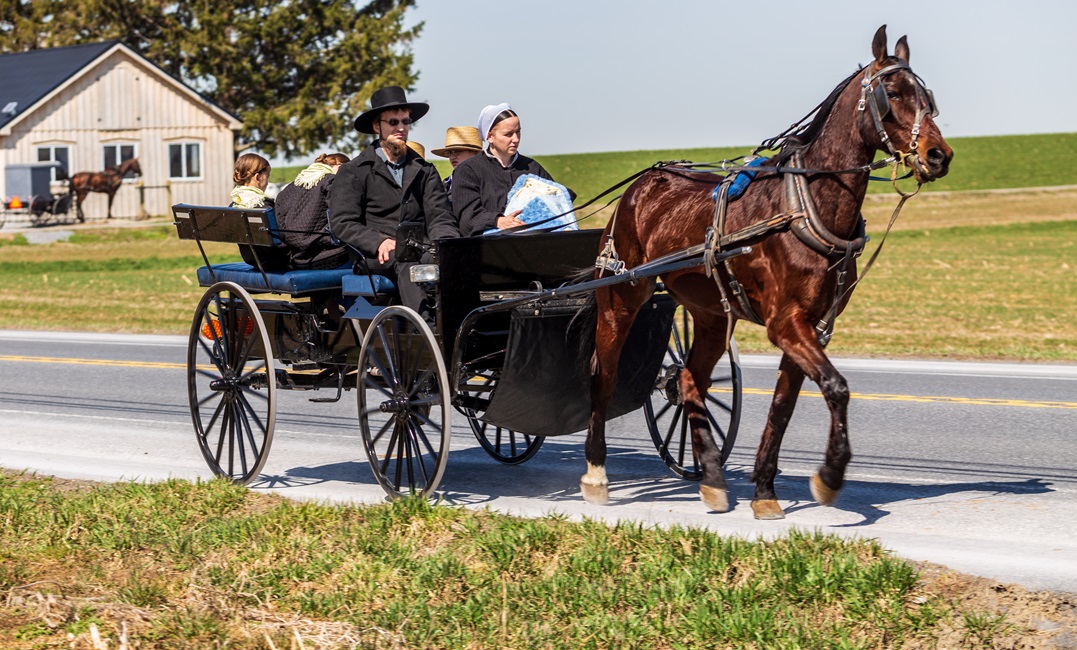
<point>481,184</point>
<point>302,215</point>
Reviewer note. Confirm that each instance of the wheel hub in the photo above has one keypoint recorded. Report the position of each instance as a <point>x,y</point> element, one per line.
<point>398,404</point>
<point>669,383</point>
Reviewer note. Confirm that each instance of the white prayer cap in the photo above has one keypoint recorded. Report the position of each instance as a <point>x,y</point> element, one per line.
<point>487,116</point>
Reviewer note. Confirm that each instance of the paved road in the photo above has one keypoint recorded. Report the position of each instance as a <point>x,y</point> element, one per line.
<point>969,465</point>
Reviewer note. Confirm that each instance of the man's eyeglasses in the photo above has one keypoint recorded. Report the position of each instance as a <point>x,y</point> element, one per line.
<point>407,121</point>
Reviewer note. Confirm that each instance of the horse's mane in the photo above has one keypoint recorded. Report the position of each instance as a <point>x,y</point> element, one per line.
<point>801,135</point>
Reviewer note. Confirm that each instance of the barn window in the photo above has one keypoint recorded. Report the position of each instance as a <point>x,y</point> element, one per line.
<point>114,154</point>
<point>185,160</point>
<point>55,153</point>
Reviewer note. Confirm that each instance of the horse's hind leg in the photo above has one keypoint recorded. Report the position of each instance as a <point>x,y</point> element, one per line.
<point>708,346</point>
<point>79,198</point>
<point>790,379</point>
<point>617,308</point>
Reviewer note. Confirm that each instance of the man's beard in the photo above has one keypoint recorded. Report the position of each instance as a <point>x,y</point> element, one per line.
<point>395,147</point>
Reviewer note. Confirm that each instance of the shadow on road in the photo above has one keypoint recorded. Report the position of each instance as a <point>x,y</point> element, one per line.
<point>473,478</point>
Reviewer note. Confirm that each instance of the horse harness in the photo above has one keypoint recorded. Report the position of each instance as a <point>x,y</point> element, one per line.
<point>800,216</point>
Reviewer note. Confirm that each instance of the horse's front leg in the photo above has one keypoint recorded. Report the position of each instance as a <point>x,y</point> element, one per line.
<point>790,380</point>
<point>808,354</point>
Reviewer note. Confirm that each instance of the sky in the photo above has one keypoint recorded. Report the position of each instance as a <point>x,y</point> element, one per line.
<point>624,75</point>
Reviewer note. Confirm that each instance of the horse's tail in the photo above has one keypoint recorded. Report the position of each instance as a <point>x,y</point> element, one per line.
<point>582,327</point>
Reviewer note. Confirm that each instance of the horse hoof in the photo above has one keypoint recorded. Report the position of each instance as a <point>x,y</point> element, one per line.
<point>598,495</point>
<point>767,509</point>
<point>823,495</point>
<point>717,499</point>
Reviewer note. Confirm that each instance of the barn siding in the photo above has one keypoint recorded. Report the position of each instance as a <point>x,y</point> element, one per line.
<point>124,100</point>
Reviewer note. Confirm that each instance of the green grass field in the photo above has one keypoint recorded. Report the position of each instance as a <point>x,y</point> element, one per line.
<point>965,274</point>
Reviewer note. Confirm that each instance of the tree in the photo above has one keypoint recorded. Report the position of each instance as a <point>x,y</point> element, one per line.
<point>295,72</point>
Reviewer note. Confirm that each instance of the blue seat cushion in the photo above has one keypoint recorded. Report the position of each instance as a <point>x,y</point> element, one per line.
<point>359,285</point>
<point>290,282</point>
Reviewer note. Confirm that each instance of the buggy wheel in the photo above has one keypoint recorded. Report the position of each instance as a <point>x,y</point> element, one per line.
<point>404,411</point>
<point>665,414</point>
<point>504,445</point>
<point>231,383</point>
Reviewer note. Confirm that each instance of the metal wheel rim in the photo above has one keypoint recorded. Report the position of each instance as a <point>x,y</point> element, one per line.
<point>233,421</point>
<point>409,452</point>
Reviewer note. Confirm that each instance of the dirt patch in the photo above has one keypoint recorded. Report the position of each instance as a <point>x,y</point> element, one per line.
<point>1034,620</point>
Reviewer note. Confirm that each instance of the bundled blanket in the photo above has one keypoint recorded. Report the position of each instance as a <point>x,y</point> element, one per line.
<point>540,199</point>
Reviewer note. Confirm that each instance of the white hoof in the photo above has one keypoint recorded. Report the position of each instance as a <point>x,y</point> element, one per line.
<point>823,495</point>
<point>598,495</point>
<point>717,499</point>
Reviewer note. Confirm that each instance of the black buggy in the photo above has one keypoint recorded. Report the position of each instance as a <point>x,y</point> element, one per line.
<point>509,351</point>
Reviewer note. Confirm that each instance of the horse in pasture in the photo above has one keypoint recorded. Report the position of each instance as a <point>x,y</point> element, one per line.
<point>108,182</point>
<point>795,280</point>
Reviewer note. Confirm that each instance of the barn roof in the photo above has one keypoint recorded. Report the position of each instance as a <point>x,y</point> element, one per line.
<point>27,78</point>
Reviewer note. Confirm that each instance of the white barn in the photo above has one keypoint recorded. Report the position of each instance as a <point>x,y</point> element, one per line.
<point>91,106</point>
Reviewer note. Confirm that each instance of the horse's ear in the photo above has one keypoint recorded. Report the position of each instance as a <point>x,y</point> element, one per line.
<point>901,49</point>
<point>878,45</point>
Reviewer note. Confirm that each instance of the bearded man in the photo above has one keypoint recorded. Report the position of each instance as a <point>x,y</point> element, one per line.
<point>385,186</point>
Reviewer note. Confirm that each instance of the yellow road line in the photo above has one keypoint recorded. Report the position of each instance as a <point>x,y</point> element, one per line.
<point>923,399</point>
<point>877,397</point>
<point>94,362</point>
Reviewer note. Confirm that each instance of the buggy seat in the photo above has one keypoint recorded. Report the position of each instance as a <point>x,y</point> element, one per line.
<point>257,228</point>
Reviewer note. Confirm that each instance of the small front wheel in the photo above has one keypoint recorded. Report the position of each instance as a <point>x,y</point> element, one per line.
<point>404,411</point>
<point>230,383</point>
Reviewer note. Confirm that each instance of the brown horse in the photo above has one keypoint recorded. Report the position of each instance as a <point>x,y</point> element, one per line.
<point>108,182</point>
<point>794,279</point>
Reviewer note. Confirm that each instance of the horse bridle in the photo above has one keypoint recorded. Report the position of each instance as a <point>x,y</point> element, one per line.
<point>873,96</point>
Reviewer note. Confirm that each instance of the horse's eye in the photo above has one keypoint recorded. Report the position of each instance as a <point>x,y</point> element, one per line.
<point>890,94</point>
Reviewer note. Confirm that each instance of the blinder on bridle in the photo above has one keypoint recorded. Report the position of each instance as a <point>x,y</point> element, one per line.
<point>873,94</point>
<point>924,95</point>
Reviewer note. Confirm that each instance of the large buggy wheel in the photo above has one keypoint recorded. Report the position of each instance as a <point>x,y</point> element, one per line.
<point>666,418</point>
<point>504,445</point>
<point>402,377</point>
<point>231,383</point>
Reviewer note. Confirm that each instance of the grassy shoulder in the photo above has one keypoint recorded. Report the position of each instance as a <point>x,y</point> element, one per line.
<point>180,564</point>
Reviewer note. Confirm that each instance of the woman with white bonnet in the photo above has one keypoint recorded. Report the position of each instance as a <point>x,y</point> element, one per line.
<point>481,184</point>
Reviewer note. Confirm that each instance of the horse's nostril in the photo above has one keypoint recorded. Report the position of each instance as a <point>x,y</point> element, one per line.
<point>937,157</point>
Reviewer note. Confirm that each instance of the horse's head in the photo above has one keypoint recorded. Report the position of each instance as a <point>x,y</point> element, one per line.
<point>130,165</point>
<point>901,110</point>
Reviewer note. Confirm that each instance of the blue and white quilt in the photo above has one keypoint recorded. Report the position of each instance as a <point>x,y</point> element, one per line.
<point>540,199</point>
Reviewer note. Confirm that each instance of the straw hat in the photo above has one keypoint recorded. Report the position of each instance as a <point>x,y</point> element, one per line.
<point>384,99</point>
<point>417,148</point>
<point>460,137</point>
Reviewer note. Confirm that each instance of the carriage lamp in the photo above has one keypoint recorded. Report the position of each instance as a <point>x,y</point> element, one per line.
<point>421,273</point>
<point>15,204</point>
